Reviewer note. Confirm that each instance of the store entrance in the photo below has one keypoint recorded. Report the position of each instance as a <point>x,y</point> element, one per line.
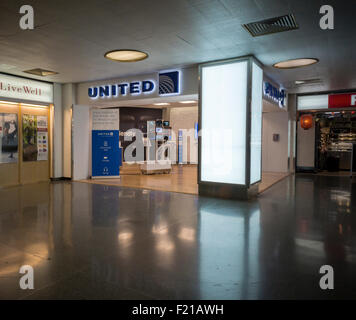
<point>169,131</point>
<point>25,143</point>
<point>335,134</point>
<point>168,161</point>
<point>275,144</point>
<point>325,141</point>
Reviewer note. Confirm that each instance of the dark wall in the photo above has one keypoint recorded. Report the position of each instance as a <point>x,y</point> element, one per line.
<point>136,118</point>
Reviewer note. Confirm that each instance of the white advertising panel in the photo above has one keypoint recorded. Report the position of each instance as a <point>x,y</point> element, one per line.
<point>313,102</point>
<point>256,124</point>
<point>223,115</point>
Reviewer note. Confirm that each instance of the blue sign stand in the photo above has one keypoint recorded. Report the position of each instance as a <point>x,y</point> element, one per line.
<point>106,154</point>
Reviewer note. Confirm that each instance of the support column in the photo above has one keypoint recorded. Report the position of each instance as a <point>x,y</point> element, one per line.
<point>68,100</point>
<point>230,125</point>
<point>57,132</point>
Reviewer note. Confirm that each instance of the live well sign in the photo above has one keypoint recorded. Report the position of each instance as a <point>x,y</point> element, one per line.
<point>25,89</point>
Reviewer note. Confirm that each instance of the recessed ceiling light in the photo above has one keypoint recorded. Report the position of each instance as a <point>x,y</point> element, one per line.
<point>307,81</point>
<point>162,104</point>
<point>295,63</point>
<point>187,102</point>
<point>41,72</point>
<point>126,55</point>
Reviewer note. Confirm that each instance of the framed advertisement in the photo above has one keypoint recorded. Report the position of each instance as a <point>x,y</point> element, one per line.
<point>42,138</point>
<point>8,138</point>
<point>29,129</point>
<point>35,138</point>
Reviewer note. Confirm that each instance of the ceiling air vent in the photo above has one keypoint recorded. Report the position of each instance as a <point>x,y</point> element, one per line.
<point>41,72</point>
<point>268,26</point>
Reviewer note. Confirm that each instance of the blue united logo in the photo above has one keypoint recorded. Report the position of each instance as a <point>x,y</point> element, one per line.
<point>169,83</point>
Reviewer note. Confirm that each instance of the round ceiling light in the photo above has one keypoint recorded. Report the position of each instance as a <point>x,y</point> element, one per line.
<point>126,55</point>
<point>295,63</point>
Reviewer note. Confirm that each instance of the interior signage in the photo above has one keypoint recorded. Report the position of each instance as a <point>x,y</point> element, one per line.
<point>122,89</point>
<point>106,156</point>
<point>342,100</point>
<point>25,89</point>
<point>275,94</point>
<point>325,101</point>
<point>168,84</point>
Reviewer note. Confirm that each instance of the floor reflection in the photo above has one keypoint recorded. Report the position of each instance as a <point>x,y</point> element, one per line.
<point>228,252</point>
<point>89,241</point>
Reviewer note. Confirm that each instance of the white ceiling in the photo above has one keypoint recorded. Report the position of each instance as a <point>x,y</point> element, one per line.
<point>71,37</point>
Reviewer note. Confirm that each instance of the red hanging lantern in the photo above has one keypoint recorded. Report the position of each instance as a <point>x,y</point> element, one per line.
<point>306,121</point>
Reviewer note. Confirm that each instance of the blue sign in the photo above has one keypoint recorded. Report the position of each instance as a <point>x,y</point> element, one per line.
<point>106,154</point>
<point>169,83</point>
<point>274,93</point>
<point>122,89</point>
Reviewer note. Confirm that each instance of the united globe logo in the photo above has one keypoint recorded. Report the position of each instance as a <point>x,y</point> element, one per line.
<point>169,83</point>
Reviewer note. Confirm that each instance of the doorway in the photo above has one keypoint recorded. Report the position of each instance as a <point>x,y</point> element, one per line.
<point>325,147</point>
<point>172,129</point>
<point>275,145</point>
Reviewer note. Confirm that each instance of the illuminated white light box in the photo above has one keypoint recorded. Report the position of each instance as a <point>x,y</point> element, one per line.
<point>230,111</point>
<point>313,102</point>
<point>256,124</point>
<point>223,145</point>
<point>25,89</point>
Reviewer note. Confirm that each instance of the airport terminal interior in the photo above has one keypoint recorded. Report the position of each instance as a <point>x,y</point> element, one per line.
<point>177,150</point>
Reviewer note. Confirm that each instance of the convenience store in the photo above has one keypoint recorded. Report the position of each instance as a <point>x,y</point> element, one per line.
<point>326,132</point>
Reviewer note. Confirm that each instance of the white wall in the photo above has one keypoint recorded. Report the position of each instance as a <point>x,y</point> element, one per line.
<point>306,146</point>
<point>68,100</point>
<point>185,118</point>
<point>292,118</point>
<point>81,142</point>
<point>57,132</point>
<point>275,154</point>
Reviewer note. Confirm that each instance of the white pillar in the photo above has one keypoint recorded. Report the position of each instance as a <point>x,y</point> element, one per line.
<point>57,132</point>
<point>230,119</point>
<point>68,100</point>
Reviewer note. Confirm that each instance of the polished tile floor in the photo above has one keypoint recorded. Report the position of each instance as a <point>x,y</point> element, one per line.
<point>183,179</point>
<point>89,241</point>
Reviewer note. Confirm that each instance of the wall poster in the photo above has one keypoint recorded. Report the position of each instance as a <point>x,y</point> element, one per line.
<point>35,138</point>
<point>29,129</point>
<point>8,138</point>
<point>42,138</point>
